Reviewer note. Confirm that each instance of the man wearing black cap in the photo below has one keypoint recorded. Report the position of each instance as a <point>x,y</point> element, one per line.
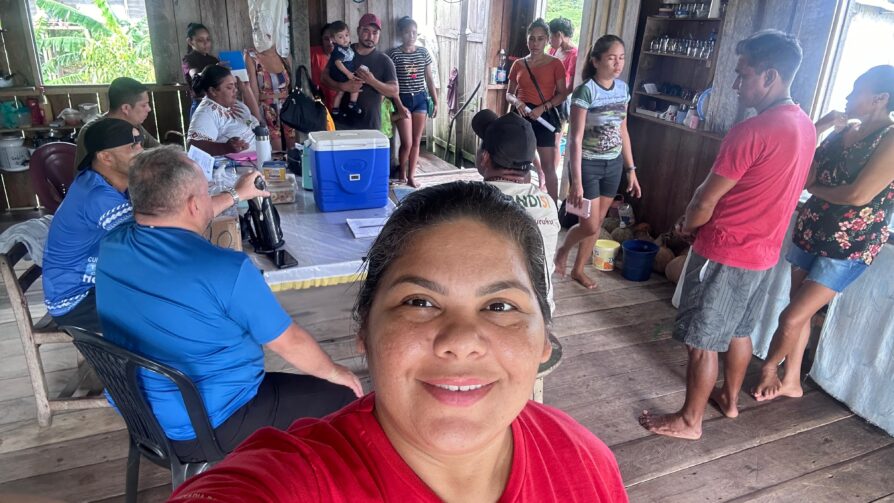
<point>97,203</point>
<point>505,159</point>
<point>129,101</point>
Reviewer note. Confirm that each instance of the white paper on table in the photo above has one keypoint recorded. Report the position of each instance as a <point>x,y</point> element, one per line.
<point>365,227</point>
<point>203,159</point>
<point>543,122</point>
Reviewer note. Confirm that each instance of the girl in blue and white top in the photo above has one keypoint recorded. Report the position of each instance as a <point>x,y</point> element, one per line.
<point>414,76</point>
<point>598,149</point>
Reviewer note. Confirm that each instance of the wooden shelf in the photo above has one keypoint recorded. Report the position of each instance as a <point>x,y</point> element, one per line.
<point>497,87</point>
<point>665,97</point>
<point>8,92</point>
<point>36,128</point>
<point>665,18</point>
<point>674,125</point>
<point>679,56</point>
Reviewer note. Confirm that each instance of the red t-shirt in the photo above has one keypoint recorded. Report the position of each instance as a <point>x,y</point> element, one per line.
<point>318,61</point>
<point>769,156</point>
<point>346,457</point>
<point>569,61</point>
<point>547,76</point>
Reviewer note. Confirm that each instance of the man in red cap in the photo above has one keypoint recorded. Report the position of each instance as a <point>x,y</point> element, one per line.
<point>375,75</point>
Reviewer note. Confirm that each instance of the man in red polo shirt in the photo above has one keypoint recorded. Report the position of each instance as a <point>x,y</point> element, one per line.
<point>739,216</point>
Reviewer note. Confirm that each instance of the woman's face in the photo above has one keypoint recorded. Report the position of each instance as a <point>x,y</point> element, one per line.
<point>611,63</point>
<point>327,44</point>
<point>409,35</point>
<point>225,92</point>
<point>454,338</point>
<point>537,40</point>
<point>556,39</point>
<point>200,42</point>
<point>862,102</point>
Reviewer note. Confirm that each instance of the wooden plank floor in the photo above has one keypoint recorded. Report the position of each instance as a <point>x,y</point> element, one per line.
<point>618,360</point>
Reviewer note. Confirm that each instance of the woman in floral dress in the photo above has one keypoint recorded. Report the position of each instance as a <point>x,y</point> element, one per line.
<point>843,226</point>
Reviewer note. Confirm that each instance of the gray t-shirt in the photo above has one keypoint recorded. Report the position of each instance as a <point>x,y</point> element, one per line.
<point>370,100</point>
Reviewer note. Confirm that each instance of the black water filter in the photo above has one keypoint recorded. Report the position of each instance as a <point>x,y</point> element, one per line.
<point>265,233</point>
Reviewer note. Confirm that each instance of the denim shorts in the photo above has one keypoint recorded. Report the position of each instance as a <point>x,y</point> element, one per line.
<point>601,177</point>
<point>833,273</point>
<point>416,103</point>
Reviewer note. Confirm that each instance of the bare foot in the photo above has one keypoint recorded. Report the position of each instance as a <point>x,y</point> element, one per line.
<point>561,261</point>
<point>412,183</point>
<point>670,425</point>
<point>769,385</point>
<point>728,407</point>
<point>583,279</point>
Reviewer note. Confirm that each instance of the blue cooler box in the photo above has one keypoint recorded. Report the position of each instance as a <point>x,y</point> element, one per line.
<point>350,169</point>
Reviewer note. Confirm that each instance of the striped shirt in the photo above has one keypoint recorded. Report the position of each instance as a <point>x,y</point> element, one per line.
<point>410,68</point>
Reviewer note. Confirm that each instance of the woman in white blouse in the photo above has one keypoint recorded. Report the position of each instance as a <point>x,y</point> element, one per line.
<point>222,124</point>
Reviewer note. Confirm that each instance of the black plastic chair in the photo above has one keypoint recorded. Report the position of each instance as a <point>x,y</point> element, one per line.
<point>118,369</point>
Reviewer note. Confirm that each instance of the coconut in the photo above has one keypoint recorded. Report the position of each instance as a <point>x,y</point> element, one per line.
<point>685,252</point>
<point>643,235</point>
<point>620,235</point>
<point>674,269</point>
<point>662,258</point>
<point>604,234</point>
<point>643,227</point>
<point>676,242</point>
<point>611,223</point>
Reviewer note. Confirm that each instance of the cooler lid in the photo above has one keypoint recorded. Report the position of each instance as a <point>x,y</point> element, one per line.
<point>347,140</point>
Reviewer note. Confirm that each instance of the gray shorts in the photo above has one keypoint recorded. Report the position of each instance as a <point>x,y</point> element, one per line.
<point>718,303</point>
<point>601,177</point>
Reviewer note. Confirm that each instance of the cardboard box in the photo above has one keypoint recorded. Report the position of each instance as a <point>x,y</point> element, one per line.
<point>224,232</point>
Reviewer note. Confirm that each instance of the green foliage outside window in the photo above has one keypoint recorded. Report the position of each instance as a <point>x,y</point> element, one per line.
<point>75,48</point>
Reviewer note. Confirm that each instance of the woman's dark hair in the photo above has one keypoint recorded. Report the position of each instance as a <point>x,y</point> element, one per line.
<point>538,23</point>
<point>405,23</point>
<point>426,208</point>
<point>563,25</point>
<point>602,45</point>
<point>880,79</point>
<point>211,76</point>
<point>192,29</point>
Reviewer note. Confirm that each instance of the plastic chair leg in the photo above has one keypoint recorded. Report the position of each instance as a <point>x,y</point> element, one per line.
<point>132,486</point>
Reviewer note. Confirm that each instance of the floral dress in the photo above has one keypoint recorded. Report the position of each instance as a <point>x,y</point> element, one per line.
<point>273,89</point>
<point>841,231</point>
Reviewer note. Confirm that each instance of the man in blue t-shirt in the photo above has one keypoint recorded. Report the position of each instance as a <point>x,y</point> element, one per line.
<point>166,292</point>
<point>98,202</point>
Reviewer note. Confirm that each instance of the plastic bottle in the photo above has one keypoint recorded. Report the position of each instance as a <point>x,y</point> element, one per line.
<point>501,69</point>
<point>262,141</point>
<point>625,214</point>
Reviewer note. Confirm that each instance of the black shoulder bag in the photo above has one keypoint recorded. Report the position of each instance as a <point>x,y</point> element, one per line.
<point>305,113</point>
<point>552,115</point>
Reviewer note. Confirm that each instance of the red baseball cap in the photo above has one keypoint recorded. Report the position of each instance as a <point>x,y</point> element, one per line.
<point>369,19</point>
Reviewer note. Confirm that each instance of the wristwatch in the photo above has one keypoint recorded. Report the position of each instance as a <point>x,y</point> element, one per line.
<point>235,195</point>
<point>630,168</point>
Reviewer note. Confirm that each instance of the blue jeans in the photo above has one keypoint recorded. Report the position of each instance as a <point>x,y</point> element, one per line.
<point>833,273</point>
<point>416,103</point>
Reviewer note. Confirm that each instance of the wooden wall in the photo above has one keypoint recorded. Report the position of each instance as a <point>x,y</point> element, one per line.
<point>349,11</point>
<point>810,21</point>
<point>673,164</point>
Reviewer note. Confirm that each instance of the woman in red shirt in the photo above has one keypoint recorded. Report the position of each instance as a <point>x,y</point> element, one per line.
<point>560,46</point>
<point>453,352</point>
<point>524,95</point>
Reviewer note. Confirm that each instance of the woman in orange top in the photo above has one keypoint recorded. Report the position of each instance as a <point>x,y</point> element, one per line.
<point>549,75</point>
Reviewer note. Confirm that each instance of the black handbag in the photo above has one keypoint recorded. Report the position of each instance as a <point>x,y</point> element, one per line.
<point>302,112</point>
<point>552,115</point>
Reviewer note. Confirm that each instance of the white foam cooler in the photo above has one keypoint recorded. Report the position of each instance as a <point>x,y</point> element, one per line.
<point>350,169</point>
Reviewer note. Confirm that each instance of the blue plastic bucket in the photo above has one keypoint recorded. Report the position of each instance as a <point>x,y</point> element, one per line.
<point>638,258</point>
